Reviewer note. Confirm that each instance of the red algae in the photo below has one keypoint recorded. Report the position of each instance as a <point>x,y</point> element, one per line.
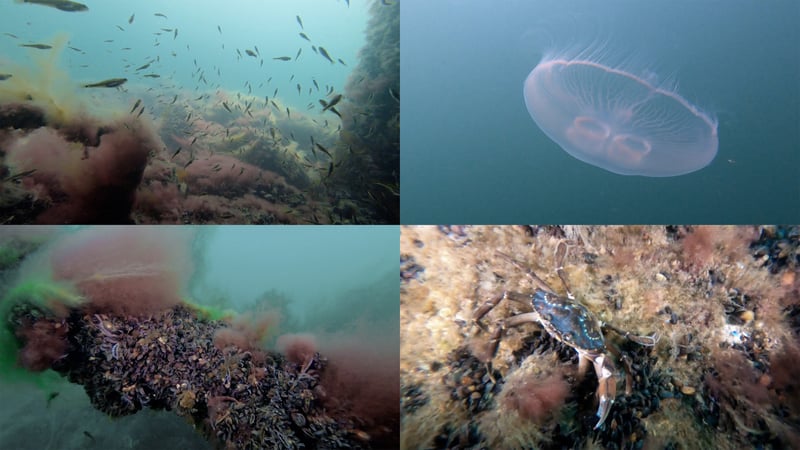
<point>125,270</point>
<point>537,399</point>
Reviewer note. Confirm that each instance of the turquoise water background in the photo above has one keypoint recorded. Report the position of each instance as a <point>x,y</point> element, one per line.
<point>472,154</point>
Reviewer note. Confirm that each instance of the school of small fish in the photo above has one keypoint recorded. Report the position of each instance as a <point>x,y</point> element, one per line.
<point>160,99</point>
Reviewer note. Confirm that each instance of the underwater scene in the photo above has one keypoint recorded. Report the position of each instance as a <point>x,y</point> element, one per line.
<point>247,112</point>
<point>600,337</point>
<point>206,337</point>
<point>612,112</point>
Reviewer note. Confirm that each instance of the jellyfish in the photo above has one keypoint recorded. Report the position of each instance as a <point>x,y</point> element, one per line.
<point>618,121</point>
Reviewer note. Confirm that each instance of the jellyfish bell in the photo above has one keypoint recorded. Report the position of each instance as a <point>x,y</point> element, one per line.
<point>621,120</point>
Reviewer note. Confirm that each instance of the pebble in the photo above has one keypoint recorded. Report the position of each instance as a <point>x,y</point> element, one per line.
<point>688,390</point>
<point>747,316</point>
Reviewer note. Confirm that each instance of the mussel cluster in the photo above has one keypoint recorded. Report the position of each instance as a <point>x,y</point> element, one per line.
<point>238,398</point>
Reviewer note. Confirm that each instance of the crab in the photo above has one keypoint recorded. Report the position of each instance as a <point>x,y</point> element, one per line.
<point>569,322</point>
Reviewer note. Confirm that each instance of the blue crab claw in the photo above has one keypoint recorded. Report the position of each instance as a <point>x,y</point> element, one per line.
<point>607,387</point>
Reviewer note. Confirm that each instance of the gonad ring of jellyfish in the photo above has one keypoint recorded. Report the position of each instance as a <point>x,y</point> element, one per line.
<point>620,122</point>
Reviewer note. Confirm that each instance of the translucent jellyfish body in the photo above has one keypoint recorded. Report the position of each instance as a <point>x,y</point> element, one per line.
<point>619,121</point>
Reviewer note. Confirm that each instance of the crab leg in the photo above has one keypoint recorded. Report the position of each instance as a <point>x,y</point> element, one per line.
<point>488,305</point>
<point>561,253</point>
<point>538,282</point>
<point>607,387</point>
<point>513,321</point>
<point>647,341</point>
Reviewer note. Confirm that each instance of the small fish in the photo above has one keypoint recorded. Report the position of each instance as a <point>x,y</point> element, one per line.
<point>288,113</point>
<point>51,396</point>
<point>120,28</point>
<point>175,35</point>
<point>299,50</point>
<point>241,172</point>
<point>330,168</point>
<point>304,36</point>
<point>225,105</point>
<point>17,176</point>
<point>315,84</point>
<point>153,75</point>
<point>391,189</point>
<point>140,112</point>
<point>187,164</point>
<point>275,94</point>
<point>176,153</point>
<point>37,46</point>
<point>341,62</point>
<point>108,41</point>
<point>130,19</point>
<point>143,67</point>
<point>394,95</point>
<point>12,35</point>
<point>325,54</point>
<point>298,88</point>
<point>334,101</point>
<point>323,150</point>
<point>135,105</point>
<point>174,99</point>
<point>250,53</point>
<point>63,5</point>
<point>193,140</point>
<point>89,435</point>
<point>300,21</point>
<point>160,15</point>
<point>111,82</point>
<point>189,116</point>
<point>5,76</point>
<point>219,28</point>
<point>283,58</point>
